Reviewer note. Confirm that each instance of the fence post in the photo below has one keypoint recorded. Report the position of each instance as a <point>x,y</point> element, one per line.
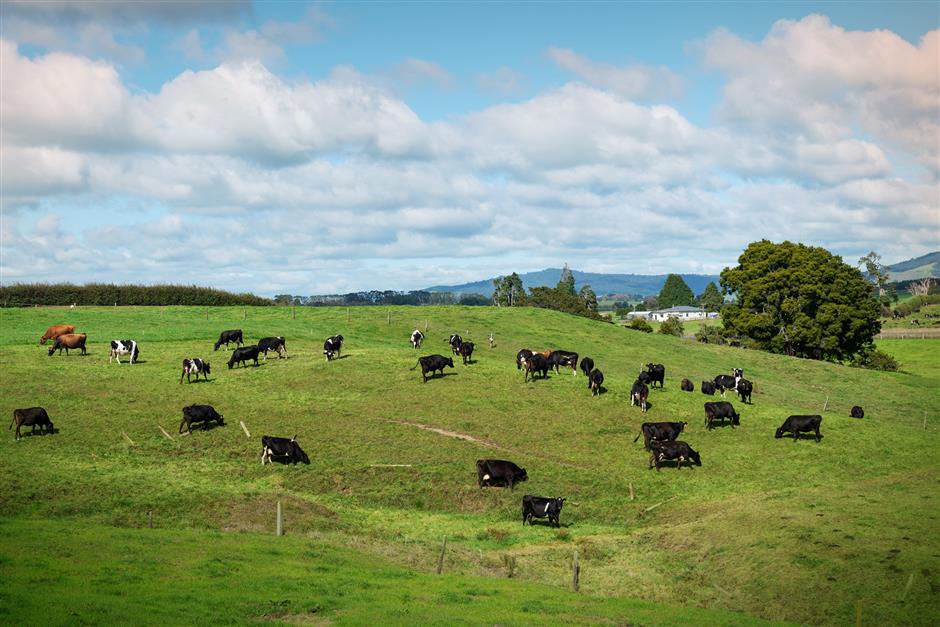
<point>149,519</point>
<point>440,558</point>
<point>925,420</point>
<point>244,314</point>
<point>575,571</point>
<point>632,496</point>
<point>826,405</point>
<point>347,314</point>
<point>293,312</point>
<point>280,520</point>
<point>389,316</point>
<point>207,313</point>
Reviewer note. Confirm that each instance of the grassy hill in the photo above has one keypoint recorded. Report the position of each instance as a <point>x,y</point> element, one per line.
<point>769,529</point>
<point>918,268</point>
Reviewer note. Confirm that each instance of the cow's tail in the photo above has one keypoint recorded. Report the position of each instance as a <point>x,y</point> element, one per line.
<point>416,365</point>
<point>638,436</point>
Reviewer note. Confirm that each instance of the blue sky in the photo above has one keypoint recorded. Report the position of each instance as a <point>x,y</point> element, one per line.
<point>309,148</point>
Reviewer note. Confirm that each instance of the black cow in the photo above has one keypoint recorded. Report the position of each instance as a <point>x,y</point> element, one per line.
<point>275,344</point>
<point>199,413</point>
<point>745,388</point>
<point>657,372</point>
<point>243,354</point>
<point>466,351</point>
<point>521,356</point>
<point>661,431</point>
<point>416,338</point>
<point>857,412</point>
<point>455,341</point>
<point>678,450</point>
<point>332,346</point>
<point>686,386</point>
<point>498,472</point>
<point>541,507</point>
<point>536,363</point>
<point>644,377</point>
<point>800,424</point>
<point>283,450</point>
<point>31,417</point>
<point>234,335</point>
<point>708,388</point>
<point>587,365</point>
<point>124,347</point>
<point>639,393</point>
<point>563,358</point>
<point>196,367</point>
<point>595,380</point>
<point>719,411</point>
<point>725,382</point>
<point>433,363</point>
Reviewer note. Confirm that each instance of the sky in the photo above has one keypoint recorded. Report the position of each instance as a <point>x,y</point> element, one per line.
<point>311,148</point>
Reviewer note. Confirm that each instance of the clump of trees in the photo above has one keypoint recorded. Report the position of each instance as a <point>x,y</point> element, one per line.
<point>671,326</point>
<point>640,324</point>
<point>63,294</point>
<point>711,299</point>
<point>509,292</point>
<point>675,292</point>
<point>383,297</point>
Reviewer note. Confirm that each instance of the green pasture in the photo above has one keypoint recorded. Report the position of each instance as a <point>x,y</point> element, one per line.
<point>767,529</point>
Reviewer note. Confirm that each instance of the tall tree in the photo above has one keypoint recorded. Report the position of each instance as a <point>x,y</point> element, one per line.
<point>877,274</point>
<point>566,282</point>
<point>711,299</point>
<point>675,292</point>
<point>509,291</point>
<point>800,300</point>
<point>588,297</point>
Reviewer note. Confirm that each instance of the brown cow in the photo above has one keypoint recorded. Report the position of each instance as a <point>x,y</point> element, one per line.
<point>55,331</point>
<point>70,340</point>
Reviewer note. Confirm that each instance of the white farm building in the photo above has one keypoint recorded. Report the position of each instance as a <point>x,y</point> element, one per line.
<point>682,312</point>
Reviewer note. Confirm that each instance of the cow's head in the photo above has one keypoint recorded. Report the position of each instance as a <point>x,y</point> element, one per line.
<point>231,361</point>
<point>737,372</point>
<point>300,455</point>
<point>450,362</point>
<point>681,426</point>
<point>522,475</point>
<point>220,420</point>
<point>779,433</point>
<point>695,457</point>
<point>736,418</point>
<point>52,350</point>
<point>205,367</point>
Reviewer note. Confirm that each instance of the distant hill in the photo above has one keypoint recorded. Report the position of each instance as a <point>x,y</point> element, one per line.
<point>917,268</point>
<point>645,284</point>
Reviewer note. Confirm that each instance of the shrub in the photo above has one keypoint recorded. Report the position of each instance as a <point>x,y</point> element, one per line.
<point>874,359</point>
<point>710,335</point>
<point>640,324</point>
<point>671,326</point>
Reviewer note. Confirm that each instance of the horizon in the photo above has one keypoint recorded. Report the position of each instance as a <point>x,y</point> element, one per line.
<point>280,148</point>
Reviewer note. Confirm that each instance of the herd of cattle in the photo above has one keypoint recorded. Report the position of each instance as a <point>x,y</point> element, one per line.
<point>659,438</point>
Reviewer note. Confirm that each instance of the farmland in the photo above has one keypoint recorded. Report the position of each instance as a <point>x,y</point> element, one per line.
<point>765,530</point>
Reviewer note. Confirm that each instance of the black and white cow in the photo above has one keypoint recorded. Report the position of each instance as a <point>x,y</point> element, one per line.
<point>644,377</point>
<point>708,387</point>
<point>282,450</point>
<point>724,382</point>
<point>499,472</point>
<point>567,359</point>
<point>657,372</point>
<point>233,335</point>
<point>541,507</point>
<point>432,364</point>
<point>521,356</point>
<point>31,417</point>
<point>659,431</point>
<point>678,450</point>
<point>800,424</point>
<point>536,362</point>
<point>455,341</point>
<point>195,367</point>
<point>275,344</point>
<point>586,366</point>
<point>200,413</point>
<point>332,347</point>
<point>745,389</point>
<point>719,411</point>
<point>595,380</point>
<point>243,354</point>
<point>466,351</point>
<point>123,347</point>
<point>416,338</point>
<point>857,412</point>
<point>686,386</point>
<point>639,394</point>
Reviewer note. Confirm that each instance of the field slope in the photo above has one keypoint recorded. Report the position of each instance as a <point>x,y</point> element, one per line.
<point>769,529</point>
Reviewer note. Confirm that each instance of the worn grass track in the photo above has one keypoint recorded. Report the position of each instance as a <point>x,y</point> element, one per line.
<point>781,530</point>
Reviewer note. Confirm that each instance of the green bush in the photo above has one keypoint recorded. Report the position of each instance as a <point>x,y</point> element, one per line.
<point>62,294</point>
<point>707,334</point>
<point>874,359</point>
<point>640,324</point>
<point>671,326</point>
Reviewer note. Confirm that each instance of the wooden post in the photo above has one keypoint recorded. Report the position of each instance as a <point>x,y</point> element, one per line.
<point>293,312</point>
<point>207,313</point>
<point>425,325</point>
<point>347,314</point>
<point>130,441</point>
<point>244,314</point>
<point>280,520</point>
<point>150,519</point>
<point>858,614</point>
<point>440,558</point>
<point>389,312</point>
<point>925,420</point>
<point>168,436</point>
<point>826,405</point>
<point>244,428</point>
<point>575,571</point>
<point>632,496</point>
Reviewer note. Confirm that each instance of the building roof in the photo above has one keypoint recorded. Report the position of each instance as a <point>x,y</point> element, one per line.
<point>680,309</point>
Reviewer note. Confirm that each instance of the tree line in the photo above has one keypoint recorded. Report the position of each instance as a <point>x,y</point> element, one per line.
<point>382,297</point>
<point>64,294</point>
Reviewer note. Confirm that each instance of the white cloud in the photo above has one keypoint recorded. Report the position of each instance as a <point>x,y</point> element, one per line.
<point>634,81</point>
<point>413,72</point>
<point>504,81</point>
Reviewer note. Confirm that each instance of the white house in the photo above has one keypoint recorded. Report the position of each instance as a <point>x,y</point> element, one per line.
<point>682,312</point>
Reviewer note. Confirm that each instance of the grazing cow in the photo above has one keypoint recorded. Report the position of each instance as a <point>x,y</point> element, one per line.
<point>639,394</point>
<point>595,380</point>
<point>283,450</point>
<point>416,338</point>
<point>499,472</point>
<point>332,347</point>
<point>541,507</point>
<point>196,367</point>
<point>657,372</point>
<point>857,412</point>
<point>800,424</point>
<point>466,351</point>
<point>521,356</point>
<point>67,341</point>
<point>55,331</point>
<point>31,417</point>
<point>243,354</point>
<point>686,386</point>
<point>708,387</point>
<point>587,365</point>
<point>123,347</point>
<point>745,388</point>
<point>455,341</point>
<point>660,431</point>
<point>200,413</point>
<point>234,335</point>
<point>737,373</point>
<point>644,377</point>
<point>536,363</point>
<point>724,382</point>
<point>433,363</point>
<point>275,344</point>
<point>563,358</point>
<point>719,411</point>
<point>678,450</point>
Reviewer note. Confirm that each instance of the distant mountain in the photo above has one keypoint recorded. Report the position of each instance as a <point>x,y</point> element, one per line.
<point>645,284</point>
<point>917,268</point>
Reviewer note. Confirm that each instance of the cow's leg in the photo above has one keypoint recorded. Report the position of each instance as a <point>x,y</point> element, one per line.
<point>818,437</point>
<point>182,422</point>
<point>181,376</point>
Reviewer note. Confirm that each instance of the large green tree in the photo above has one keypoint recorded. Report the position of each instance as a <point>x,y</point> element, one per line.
<point>675,292</point>
<point>588,297</point>
<point>800,300</point>
<point>566,282</point>
<point>509,291</point>
<point>711,299</point>
<point>560,299</point>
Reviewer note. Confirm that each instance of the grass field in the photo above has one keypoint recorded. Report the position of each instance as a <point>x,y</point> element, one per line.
<point>768,529</point>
